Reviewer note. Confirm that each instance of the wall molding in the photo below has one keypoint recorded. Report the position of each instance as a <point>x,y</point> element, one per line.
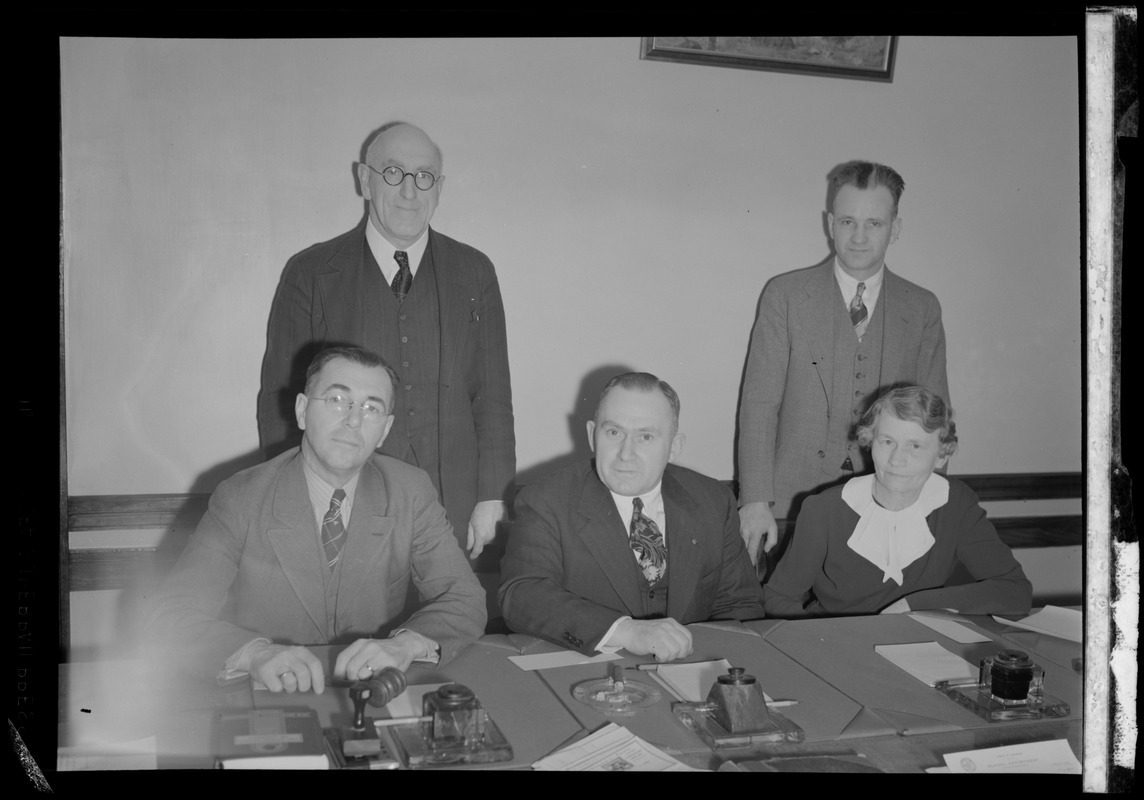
<point>178,514</point>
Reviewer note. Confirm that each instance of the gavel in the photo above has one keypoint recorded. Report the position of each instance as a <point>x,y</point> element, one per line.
<point>377,692</point>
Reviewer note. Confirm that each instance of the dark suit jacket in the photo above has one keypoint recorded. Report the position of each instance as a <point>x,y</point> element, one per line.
<point>789,378</point>
<point>327,296</point>
<point>254,567</point>
<point>567,573</point>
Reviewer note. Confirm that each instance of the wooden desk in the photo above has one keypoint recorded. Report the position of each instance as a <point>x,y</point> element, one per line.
<point>850,700</point>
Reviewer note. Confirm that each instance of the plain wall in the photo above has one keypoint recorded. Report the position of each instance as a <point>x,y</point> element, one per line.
<point>634,211</point>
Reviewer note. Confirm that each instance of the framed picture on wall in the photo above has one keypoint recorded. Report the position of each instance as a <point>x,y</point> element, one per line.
<point>864,57</point>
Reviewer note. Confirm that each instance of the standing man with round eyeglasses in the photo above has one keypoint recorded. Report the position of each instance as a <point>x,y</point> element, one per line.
<point>430,306</point>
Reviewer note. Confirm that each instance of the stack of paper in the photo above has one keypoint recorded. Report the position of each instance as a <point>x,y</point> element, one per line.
<point>271,738</point>
<point>929,662</point>
<point>611,749</point>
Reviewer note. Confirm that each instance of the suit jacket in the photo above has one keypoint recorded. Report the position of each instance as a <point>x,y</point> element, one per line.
<point>254,566</point>
<point>327,297</point>
<point>567,573</point>
<point>785,409</point>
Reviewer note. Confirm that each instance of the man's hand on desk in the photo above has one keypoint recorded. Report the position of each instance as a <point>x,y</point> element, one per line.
<point>363,658</point>
<point>288,668</point>
<point>665,639</point>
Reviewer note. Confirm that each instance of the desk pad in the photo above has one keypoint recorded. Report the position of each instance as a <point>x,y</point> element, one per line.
<point>532,720</point>
<point>840,651</point>
<point>822,711</point>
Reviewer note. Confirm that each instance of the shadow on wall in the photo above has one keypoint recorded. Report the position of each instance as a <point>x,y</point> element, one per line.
<point>583,409</point>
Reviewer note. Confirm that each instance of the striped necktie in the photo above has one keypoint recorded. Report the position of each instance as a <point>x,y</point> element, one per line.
<point>403,279</point>
<point>647,543</point>
<point>333,530</point>
<point>858,315</point>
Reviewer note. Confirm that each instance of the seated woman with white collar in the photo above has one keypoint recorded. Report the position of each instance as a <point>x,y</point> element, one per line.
<point>889,542</point>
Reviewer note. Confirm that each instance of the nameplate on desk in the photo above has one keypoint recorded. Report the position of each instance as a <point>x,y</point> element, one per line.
<point>1035,757</point>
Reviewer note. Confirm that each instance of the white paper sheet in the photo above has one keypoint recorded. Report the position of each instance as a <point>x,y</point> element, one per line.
<point>565,658</point>
<point>691,682</point>
<point>1054,756</point>
<point>612,749</point>
<point>1064,623</point>
<point>947,627</point>
<point>929,662</point>
<point>408,703</point>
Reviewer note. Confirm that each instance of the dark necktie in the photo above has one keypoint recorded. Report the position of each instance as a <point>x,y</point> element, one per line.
<point>404,278</point>
<point>858,314</point>
<point>333,530</point>
<point>647,543</point>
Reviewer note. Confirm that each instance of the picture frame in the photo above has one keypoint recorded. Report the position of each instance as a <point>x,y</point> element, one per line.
<point>868,58</point>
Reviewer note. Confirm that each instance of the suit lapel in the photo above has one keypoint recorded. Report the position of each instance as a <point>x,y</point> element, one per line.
<point>293,536</point>
<point>605,536</point>
<point>369,537</point>
<point>344,283</point>
<point>817,313</point>
<point>895,318</point>
<point>448,300</point>
<point>683,563</point>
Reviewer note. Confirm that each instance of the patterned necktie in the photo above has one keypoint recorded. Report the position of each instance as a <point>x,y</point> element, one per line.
<point>333,531</point>
<point>403,279</point>
<point>647,543</point>
<point>858,314</point>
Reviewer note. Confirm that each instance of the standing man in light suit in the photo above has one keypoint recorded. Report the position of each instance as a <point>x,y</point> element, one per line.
<point>430,306</point>
<point>827,340</point>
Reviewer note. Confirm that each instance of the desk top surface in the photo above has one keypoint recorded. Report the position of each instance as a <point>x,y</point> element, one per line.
<point>850,700</point>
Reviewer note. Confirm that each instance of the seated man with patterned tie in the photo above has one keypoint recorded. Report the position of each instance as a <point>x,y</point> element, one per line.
<point>319,546</point>
<point>587,564</point>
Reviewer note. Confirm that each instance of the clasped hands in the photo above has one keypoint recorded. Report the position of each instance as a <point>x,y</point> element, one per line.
<point>293,668</point>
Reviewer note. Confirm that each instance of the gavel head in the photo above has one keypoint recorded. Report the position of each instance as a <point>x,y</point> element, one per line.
<point>381,688</point>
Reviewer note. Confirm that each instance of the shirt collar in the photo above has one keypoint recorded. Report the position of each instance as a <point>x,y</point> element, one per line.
<point>849,284</point>
<point>321,493</point>
<point>892,540</point>
<point>652,504</point>
<point>383,251</point>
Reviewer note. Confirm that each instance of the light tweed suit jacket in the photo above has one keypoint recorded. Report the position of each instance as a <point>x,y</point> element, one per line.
<point>254,567</point>
<point>787,387</point>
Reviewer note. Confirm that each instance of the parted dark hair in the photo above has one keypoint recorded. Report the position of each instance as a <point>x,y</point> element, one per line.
<point>865,175</point>
<point>912,404</point>
<point>358,355</point>
<point>644,382</point>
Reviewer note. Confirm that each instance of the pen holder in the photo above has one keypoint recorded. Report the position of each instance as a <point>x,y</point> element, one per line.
<point>1013,679</point>
<point>738,702</point>
<point>735,714</point>
<point>458,717</point>
<point>454,729</point>
<point>1009,687</point>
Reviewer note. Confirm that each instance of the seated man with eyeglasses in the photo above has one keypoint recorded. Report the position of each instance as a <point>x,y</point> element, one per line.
<point>319,546</point>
